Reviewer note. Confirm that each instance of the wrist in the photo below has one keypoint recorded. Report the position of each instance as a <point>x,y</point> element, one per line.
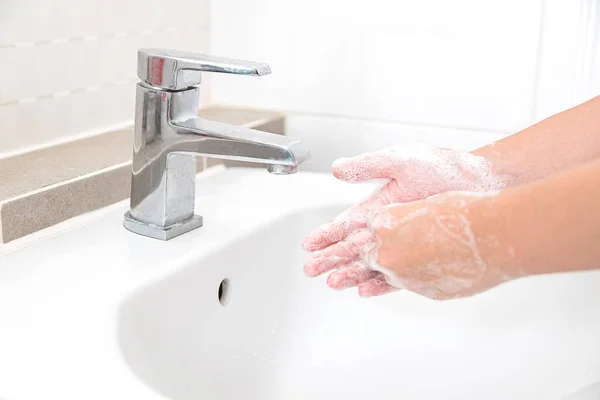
<point>499,167</point>
<point>490,230</point>
<point>553,223</point>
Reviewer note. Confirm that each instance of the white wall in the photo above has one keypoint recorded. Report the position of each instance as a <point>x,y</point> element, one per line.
<point>569,55</point>
<point>357,75</point>
<point>354,75</point>
<point>68,67</point>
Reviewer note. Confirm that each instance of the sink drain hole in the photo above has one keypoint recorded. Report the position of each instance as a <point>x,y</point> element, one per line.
<point>225,292</point>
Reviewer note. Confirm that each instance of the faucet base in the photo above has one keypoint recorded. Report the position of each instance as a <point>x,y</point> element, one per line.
<point>160,232</point>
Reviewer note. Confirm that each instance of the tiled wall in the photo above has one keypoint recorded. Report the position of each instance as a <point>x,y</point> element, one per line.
<point>68,67</point>
<point>357,75</point>
<point>354,75</point>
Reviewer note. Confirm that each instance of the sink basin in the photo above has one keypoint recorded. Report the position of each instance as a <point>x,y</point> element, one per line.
<point>225,312</point>
<point>274,334</point>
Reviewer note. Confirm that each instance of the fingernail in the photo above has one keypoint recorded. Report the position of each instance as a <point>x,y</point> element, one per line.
<point>365,291</point>
<point>313,266</point>
<point>314,241</point>
<point>309,270</point>
<point>309,245</point>
<point>337,163</point>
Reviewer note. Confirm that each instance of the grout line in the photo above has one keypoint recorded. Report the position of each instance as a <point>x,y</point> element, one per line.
<point>92,88</point>
<point>63,93</point>
<point>401,122</point>
<point>26,100</point>
<point>538,65</point>
<point>21,44</point>
<point>58,41</point>
<point>93,38</point>
<point>41,97</point>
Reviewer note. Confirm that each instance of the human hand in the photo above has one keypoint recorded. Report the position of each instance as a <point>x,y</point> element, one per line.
<point>414,172</point>
<point>447,246</point>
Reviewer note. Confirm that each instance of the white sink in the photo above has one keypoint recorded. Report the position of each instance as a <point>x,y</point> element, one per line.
<point>97,312</point>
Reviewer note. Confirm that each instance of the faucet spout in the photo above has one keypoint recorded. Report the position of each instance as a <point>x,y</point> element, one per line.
<point>218,140</point>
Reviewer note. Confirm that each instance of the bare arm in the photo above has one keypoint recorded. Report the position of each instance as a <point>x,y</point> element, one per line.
<point>559,142</point>
<point>461,243</point>
<point>554,224</point>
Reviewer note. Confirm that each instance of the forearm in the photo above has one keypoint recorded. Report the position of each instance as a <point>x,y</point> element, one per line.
<point>552,225</point>
<point>557,143</point>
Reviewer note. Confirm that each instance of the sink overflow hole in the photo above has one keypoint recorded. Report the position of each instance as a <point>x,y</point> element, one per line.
<point>225,292</point>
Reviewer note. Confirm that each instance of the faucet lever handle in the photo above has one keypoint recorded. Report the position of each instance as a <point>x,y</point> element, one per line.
<point>176,70</point>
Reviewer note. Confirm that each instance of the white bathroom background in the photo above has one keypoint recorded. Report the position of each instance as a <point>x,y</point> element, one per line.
<point>357,75</point>
<point>353,75</point>
<point>68,67</point>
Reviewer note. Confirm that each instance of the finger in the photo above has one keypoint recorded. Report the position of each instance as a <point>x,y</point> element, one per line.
<point>338,254</point>
<point>365,167</point>
<point>350,276</point>
<point>380,218</point>
<point>376,287</point>
<point>351,220</point>
<point>331,233</point>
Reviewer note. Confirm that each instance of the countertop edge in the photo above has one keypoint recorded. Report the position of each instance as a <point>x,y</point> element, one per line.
<point>44,187</point>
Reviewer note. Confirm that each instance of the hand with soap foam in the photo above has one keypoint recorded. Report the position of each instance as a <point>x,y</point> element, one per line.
<point>414,173</point>
<point>459,243</point>
<point>452,245</point>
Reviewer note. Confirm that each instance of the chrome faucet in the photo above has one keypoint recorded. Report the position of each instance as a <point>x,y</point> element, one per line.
<point>169,135</point>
